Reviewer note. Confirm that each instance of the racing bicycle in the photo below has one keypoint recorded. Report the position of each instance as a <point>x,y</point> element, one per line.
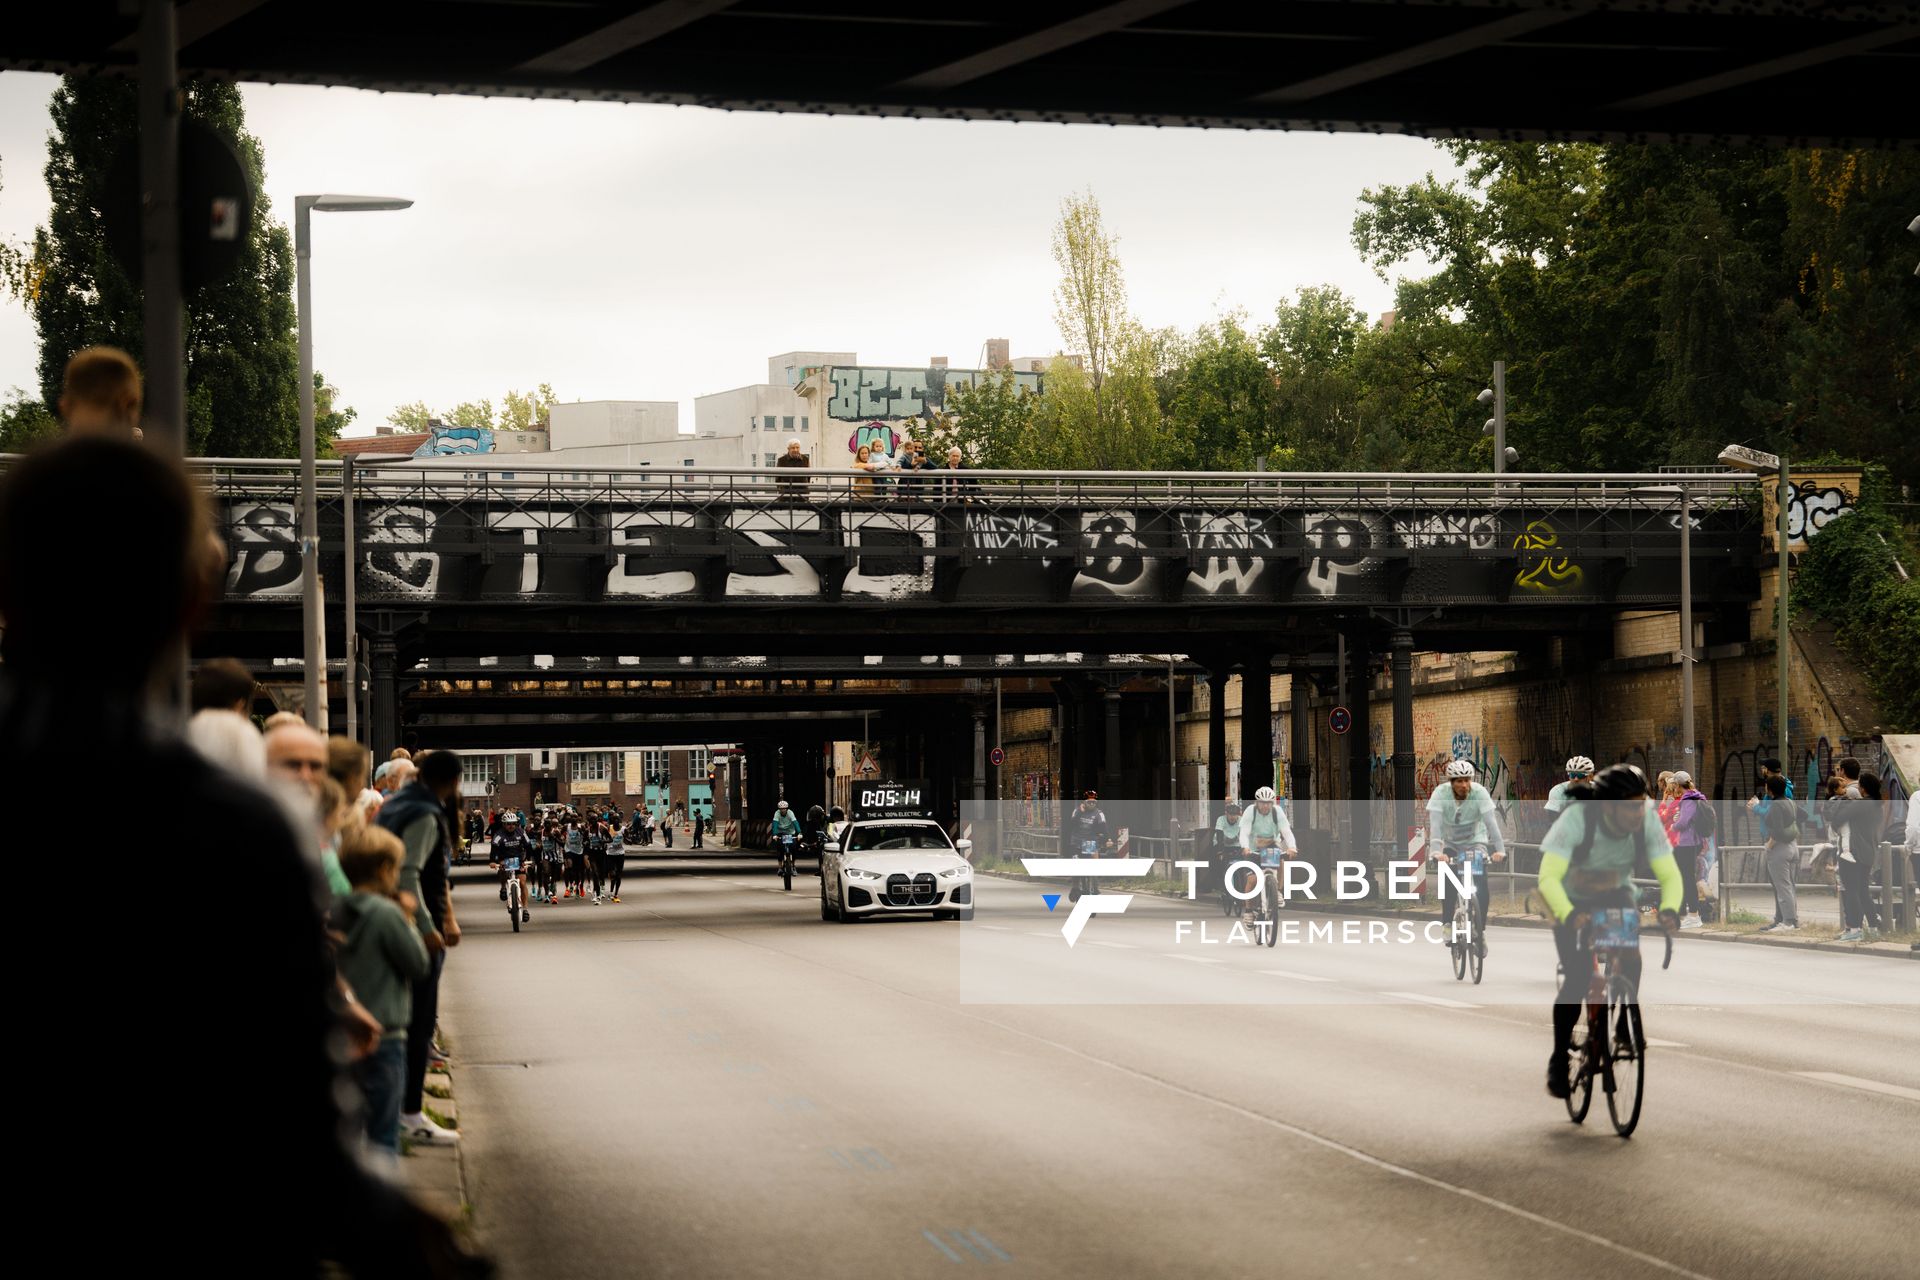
<point>786,860</point>
<point>1466,940</point>
<point>512,890</point>
<point>1610,1043</point>
<point>1265,905</point>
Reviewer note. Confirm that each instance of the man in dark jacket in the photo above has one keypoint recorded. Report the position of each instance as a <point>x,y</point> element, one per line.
<point>417,814</point>
<point>793,488</point>
<point>74,685</point>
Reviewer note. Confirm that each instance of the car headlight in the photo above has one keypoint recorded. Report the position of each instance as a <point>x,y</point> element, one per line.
<point>861,873</point>
<point>954,873</point>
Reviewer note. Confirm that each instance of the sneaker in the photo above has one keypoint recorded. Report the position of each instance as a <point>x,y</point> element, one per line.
<point>525,916</point>
<point>1851,935</point>
<point>1775,927</point>
<point>434,1054</point>
<point>1559,1078</point>
<point>1690,922</point>
<point>1789,928</point>
<point>423,1132</point>
<point>503,893</point>
<point>616,897</point>
<point>596,899</point>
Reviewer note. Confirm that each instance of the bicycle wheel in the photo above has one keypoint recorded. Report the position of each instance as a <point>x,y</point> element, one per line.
<point>1477,959</point>
<point>1626,1061</point>
<point>1581,1097</point>
<point>786,872</point>
<point>513,903</point>
<point>1458,948</point>
<point>1271,897</point>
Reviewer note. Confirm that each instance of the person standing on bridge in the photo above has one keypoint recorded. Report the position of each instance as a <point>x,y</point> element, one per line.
<point>793,488</point>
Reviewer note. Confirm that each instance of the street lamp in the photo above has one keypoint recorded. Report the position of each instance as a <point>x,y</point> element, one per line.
<point>1686,618</point>
<point>1496,426</point>
<point>1759,463</point>
<point>310,616</point>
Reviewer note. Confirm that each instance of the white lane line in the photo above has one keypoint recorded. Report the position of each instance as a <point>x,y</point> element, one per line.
<point>1855,1082</point>
<point>1297,977</point>
<point>997,928</point>
<point>1117,946</point>
<point>1442,1001</point>
<point>1043,933</point>
<point>1666,1044</point>
<point>1174,955</point>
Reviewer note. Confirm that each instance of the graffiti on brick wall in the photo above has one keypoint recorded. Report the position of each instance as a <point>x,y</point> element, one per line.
<point>866,394</point>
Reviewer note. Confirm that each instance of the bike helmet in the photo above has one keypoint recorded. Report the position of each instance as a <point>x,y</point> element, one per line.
<point>510,818</point>
<point>1091,795</point>
<point>1265,795</point>
<point>781,805</point>
<point>1579,767</point>
<point>838,814</point>
<point>1233,806</point>
<point>1460,769</point>
<point>1619,782</point>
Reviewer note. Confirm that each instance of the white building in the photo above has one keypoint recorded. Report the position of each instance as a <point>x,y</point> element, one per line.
<point>761,418</point>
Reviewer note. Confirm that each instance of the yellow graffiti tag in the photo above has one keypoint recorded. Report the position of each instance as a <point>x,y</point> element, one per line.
<point>1541,572</point>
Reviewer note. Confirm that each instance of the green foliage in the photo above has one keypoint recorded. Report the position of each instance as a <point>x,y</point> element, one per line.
<point>242,363</point>
<point>991,421</point>
<point>1848,576</point>
<point>330,417</point>
<point>474,413</point>
<point>25,422</point>
<point>519,411</point>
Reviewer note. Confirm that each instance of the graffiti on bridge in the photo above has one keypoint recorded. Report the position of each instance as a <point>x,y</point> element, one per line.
<point>1542,572</point>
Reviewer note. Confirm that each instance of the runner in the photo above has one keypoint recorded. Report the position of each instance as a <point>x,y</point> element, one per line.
<point>596,842</point>
<point>574,843</point>
<point>616,862</point>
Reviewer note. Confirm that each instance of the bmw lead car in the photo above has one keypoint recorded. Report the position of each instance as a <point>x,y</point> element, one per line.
<point>892,858</point>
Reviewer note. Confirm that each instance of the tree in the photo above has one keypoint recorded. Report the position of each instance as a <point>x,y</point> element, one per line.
<point>1220,396</point>
<point>473,413</point>
<point>991,421</point>
<point>1090,302</point>
<point>20,272</point>
<point>525,411</point>
<point>24,422</point>
<point>1310,348</point>
<point>412,416</point>
<point>330,417</point>
<point>520,411</point>
<point>242,363</point>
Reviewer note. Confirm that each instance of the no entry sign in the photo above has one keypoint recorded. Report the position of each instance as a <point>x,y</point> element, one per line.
<point>996,757</point>
<point>1340,719</point>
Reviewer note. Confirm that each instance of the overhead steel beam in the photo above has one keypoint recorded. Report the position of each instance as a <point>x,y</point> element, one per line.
<point>1476,37</point>
<point>1767,70</point>
<point>194,19</point>
<point>1037,44</point>
<point>630,32</point>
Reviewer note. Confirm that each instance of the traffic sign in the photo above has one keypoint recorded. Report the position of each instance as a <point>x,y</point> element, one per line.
<point>997,757</point>
<point>1340,719</point>
<point>867,766</point>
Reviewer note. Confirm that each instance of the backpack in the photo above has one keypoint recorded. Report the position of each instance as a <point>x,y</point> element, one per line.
<point>1706,820</point>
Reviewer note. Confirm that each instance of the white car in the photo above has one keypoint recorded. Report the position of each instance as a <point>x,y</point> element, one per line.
<point>895,866</point>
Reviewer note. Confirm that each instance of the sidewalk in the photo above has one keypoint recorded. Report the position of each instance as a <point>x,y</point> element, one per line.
<point>437,1175</point>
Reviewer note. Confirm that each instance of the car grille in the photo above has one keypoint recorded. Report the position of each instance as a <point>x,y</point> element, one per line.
<point>859,898</point>
<point>911,891</point>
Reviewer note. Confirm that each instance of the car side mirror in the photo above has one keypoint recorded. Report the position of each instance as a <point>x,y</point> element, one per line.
<point>832,846</point>
<point>963,845</point>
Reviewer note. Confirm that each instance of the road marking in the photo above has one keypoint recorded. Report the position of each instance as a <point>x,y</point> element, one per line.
<point>1043,933</point>
<point>997,928</point>
<point>1441,1001</point>
<point>999,1253</point>
<point>1666,1044</point>
<point>940,1244</point>
<point>1855,1082</point>
<point>1117,946</point>
<point>1297,977</point>
<point>858,1159</point>
<point>1175,955</point>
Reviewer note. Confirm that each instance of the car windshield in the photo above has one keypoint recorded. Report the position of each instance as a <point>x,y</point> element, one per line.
<point>870,837</point>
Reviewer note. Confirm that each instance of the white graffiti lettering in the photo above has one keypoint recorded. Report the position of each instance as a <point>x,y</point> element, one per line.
<point>887,541</point>
<point>1113,564</point>
<point>791,576</point>
<point>1341,543</point>
<point>266,550</point>
<point>1233,532</point>
<point>637,539</point>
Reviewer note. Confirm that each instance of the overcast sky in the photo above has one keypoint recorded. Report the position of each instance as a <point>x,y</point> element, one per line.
<point>659,253</point>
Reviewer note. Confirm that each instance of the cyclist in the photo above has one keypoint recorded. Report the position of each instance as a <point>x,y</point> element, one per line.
<point>512,852</point>
<point>836,823</point>
<point>784,823</point>
<point>1087,834</point>
<point>1266,836</point>
<point>1466,825</point>
<point>1586,865</point>
<point>1579,769</point>
<point>1225,847</point>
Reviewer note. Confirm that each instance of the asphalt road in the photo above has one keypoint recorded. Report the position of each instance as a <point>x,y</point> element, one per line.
<point>707,1080</point>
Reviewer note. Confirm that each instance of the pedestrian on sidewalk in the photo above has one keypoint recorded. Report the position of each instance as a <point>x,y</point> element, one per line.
<point>1862,817</point>
<point>666,830</point>
<point>699,829</point>
<point>381,957</point>
<point>1783,854</point>
<point>1686,830</point>
<point>417,814</point>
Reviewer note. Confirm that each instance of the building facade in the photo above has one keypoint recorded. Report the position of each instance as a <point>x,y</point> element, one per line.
<point>663,779</point>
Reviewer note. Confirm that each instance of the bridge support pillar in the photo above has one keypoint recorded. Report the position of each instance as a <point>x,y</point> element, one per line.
<point>1112,777</point>
<point>384,693</point>
<point>1300,730</point>
<point>1360,739</point>
<point>980,757</point>
<point>1217,678</point>
<point>733,789</point>
<point>1403,783</point>
<point>1256,723</point>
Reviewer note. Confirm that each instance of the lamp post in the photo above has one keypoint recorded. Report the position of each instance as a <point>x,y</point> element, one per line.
<point>312,621</point>
<point>1686,618</point>
<point>1759,463</point>
<point>1496,426</point>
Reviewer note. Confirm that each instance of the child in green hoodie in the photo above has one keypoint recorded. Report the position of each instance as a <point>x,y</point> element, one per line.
<point>380,956</point>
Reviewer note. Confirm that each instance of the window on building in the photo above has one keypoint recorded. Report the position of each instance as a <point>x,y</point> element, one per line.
<point>513,764</point>
<point>699,761</point>
<point>803,424</point>
<point>687,462</point>
<point>620,765</point>
<point>657,766</point>
<point>478,770</point>
<point>753,424</point>
<point>786,423</point>
<point>769,459</point>
<point>770,420</point>
<point>591,766</point>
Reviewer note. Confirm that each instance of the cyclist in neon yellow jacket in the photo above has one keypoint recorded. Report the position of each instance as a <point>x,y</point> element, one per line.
<point>1586,865</point>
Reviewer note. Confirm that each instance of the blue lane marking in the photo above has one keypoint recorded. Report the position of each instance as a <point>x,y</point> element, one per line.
<point>742,1068</point>
<point>704,1037</point>
<point>794,1102</point>
<point>999,1253</point>
<point>854,1159</point>
<point>941,1245</point>
<point>1051,899</point>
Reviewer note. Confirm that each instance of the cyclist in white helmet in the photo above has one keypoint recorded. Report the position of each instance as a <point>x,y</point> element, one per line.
<point>1579,769</point>
<point>1465,824</point>
<point>1265,834</point>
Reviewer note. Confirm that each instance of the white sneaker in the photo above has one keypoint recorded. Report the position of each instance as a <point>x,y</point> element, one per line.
<point>1788,928</point>
<point>1851,935</point>
<point>1690,922</point>
<point>424,1132</point>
